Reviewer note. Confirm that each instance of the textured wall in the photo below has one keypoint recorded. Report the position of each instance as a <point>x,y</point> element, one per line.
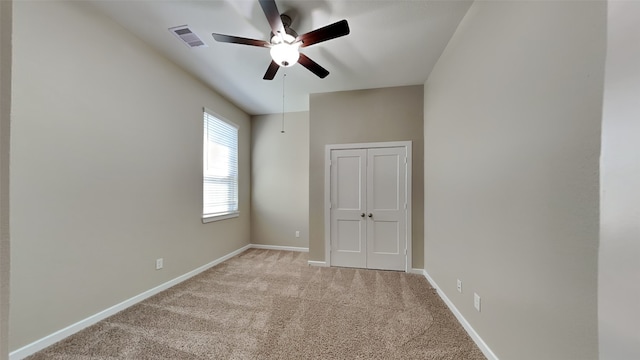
<point>512,145</point>
<point>618,266</point>
<point>280,180</point>
<point>106,158</point>
<point>376,115</point>
<point>5,121</point>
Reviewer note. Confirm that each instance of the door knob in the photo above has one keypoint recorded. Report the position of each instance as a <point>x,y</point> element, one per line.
<point>362,215</point>
<point>370,215</point>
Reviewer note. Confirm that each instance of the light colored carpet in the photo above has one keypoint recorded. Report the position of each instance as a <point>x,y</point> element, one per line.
<point>265,304</point>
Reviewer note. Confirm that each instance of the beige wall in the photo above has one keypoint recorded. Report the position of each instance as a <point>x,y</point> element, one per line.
<point>280,179</point>
<point>389,114</point>
<point>512,134</point>
<point>5,114</point>
<point>106,159</point>
<point>618,266</point>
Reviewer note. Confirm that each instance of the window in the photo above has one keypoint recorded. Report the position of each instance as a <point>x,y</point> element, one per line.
<point>220,169</point>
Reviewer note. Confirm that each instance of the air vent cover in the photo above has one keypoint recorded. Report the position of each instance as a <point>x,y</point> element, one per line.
<point>187,36</point>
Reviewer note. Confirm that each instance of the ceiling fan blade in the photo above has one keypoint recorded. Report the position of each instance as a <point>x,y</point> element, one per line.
<point>313,66</point>
<point>337,29</point>
<point>239,40</point>
<point>273,16</point>
<point>271,71</point>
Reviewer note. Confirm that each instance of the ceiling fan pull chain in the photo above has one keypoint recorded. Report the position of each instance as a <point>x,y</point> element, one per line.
<point>283,77</point>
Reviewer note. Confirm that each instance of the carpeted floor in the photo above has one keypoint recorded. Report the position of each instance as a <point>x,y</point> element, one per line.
<point>265,304</point>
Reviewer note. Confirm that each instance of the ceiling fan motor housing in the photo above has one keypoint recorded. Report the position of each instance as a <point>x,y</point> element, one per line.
<point>286,22</point>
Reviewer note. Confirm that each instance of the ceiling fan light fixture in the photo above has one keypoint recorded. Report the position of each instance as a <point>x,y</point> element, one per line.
<point>285,54</point>
<point>284,50</point>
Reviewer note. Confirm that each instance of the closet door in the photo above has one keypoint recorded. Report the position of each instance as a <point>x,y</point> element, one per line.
<point>386,208</point>
<point>369,208</point>
<point>348,207</point>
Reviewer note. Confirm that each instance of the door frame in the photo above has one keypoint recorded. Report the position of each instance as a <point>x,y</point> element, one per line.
<point>327,192</point>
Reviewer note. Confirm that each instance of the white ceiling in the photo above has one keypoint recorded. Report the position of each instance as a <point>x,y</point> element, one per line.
<point>392,43</point>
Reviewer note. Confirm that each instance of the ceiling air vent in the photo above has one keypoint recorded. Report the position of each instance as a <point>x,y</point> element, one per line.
<point>187,36</point>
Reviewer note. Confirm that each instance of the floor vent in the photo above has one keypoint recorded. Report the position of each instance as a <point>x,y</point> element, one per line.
<point>188,36</point>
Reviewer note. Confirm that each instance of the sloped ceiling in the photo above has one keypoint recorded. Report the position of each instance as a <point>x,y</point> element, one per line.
<point>392,43</point>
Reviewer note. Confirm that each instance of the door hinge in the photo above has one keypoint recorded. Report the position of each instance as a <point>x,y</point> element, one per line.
<point>405,160</point>
<point>405,251</point>
<point>405,206</point>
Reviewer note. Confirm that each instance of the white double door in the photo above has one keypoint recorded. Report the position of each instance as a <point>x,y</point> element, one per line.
<point>369,208</point>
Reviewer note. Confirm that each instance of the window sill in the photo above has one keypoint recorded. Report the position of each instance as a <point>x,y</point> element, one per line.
<point>212,218</point>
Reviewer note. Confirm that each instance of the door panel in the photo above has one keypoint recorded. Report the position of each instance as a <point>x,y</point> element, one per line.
<point>386,197</point>
<point>348,203</point>
<point>349,176</point>
<point>385,182</point>
<point>348,236</point>
<point>382,232</point>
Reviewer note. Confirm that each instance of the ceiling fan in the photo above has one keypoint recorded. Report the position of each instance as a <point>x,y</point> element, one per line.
<point>285,43</point>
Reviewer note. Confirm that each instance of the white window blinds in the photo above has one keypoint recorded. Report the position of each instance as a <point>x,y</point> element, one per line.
<point>220,167</point>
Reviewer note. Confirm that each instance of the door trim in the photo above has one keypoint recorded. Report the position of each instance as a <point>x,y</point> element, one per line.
<point>327,192</point>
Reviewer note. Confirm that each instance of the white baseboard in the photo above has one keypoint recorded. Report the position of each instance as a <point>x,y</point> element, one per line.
<point>465,324</point>
<point>278,247</point>
<point>324,264</point>
<point>317,263</point>
<point>51,339</point>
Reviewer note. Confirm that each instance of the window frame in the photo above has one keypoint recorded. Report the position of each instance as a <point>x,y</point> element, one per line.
<point>207,218</point>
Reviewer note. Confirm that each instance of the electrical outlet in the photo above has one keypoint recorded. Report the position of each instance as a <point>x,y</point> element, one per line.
<point>476,301</point>
<point>159,263</point>
<point>297,234</point>
<point>459,286</point>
